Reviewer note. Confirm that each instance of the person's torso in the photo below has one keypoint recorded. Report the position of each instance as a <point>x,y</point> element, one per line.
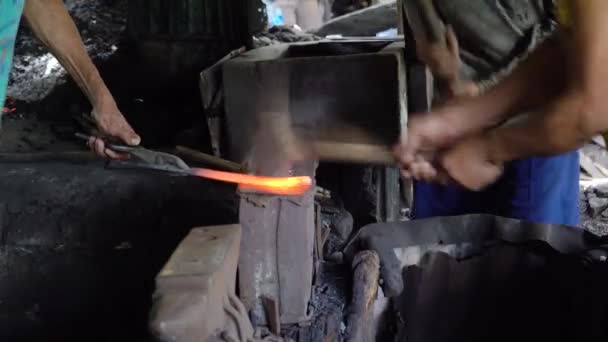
<point>10,16</point>
<point>492,33</point>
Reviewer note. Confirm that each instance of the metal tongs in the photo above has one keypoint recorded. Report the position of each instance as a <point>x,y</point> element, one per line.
<point>142,158</point>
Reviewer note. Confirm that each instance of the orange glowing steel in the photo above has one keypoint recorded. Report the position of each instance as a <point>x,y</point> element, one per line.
<point>274,185</point>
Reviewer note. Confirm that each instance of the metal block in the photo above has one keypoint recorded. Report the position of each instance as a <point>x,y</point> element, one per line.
<point>195,291</point>
<point>277,253</point>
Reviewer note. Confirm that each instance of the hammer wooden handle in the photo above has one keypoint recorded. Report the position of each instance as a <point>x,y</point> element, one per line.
<point>355,153</point>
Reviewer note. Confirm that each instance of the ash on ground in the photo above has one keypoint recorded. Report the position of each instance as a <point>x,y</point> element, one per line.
<point>332,280</point>
<point>327,305</point>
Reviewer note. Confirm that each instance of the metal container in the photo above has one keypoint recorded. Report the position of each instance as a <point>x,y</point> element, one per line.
<point>486,278</point>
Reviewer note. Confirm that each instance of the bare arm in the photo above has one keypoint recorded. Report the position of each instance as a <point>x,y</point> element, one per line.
<point>559,129</point>
<point>532,83</point>
<point>578,113</point>
<point>562,123</point>
<point>52,24</point>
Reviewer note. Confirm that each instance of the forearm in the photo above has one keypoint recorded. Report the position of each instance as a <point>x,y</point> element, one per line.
<point>581,111</point>
<point>52,24</point>
<point>564,126</point>
<point>589,53</point>
<point>532,83</point>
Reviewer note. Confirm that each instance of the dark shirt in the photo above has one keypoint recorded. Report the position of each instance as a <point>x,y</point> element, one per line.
<point>492,33</point>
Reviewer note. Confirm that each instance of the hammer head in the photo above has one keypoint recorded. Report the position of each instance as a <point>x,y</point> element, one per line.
<point>276,147</point>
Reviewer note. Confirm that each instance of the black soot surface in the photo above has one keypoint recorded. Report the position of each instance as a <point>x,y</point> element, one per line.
<point>80,246</point>
<point>510,293</point>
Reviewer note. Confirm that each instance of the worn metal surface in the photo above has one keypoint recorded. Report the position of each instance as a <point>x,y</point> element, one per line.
<point>195,291</point>
<point>480,278</point>
<point>388,194</point>
<point>277,253</point>
<point>212,94</point>
<point>272,314</point>
<point>334,96</point>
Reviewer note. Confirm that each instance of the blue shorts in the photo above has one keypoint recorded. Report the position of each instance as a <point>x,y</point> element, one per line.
<point>543,190</point>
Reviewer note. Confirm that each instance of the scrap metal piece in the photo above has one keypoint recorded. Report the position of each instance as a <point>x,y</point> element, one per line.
<point>271,307</point>
<point>321,235</point>
<point>474,230</point>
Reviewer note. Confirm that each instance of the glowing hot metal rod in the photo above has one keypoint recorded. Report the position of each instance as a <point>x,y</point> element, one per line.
<point>288,186</point>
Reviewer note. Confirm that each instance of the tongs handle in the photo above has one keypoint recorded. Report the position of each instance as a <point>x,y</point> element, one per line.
<point>113,147</point>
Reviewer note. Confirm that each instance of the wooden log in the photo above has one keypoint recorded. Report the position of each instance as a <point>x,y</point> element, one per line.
<point>359,326</point>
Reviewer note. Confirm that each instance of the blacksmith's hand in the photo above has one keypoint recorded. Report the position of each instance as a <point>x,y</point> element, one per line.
<point>442,57</point>
<point>111,125</point>
<point>427,134</point>
<point>470,163</point>
<point>443,60</point>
